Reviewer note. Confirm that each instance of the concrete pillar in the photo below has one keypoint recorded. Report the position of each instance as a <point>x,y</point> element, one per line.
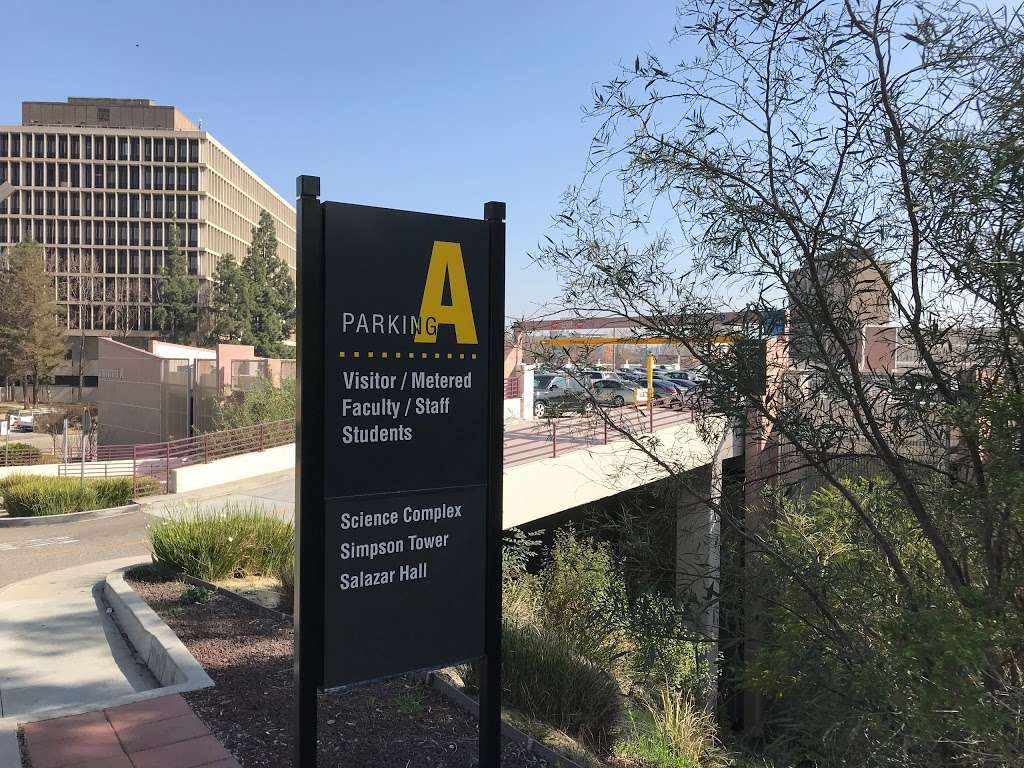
<point>527,391</point>
<point>699,552</point>
<point>698,561</point>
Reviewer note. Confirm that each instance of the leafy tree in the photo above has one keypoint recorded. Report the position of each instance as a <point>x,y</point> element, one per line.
<point>271,292</point>
<point>850,162</point>
<point>230,303</point>
<point>32,341</point>
<point>263,403</point>
<point>176,311</point>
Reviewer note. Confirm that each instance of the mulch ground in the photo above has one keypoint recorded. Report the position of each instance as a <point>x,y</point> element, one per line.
<point>248,653</point>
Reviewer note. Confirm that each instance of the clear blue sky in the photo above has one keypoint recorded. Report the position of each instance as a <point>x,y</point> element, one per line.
<point>427,105</point>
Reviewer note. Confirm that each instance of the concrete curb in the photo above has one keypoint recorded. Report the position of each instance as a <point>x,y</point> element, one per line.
<point>468,703</point>
<point>166,656</point>
<point>70,517</point>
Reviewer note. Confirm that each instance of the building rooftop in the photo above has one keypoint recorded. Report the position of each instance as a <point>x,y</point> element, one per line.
<point>103,112</point>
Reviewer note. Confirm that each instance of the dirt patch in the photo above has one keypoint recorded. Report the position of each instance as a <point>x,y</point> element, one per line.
<point>264,590</point>
<point>248,653</point>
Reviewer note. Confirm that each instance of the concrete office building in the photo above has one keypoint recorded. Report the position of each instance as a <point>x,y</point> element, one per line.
<point>100,182</point>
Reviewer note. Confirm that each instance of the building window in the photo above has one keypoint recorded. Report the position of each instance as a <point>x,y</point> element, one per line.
<point>62,147</point>
<point>16,145</point>
<point>193,150</point>
<point>74,147</point>
<point>170,150</point>
<point>158,150</point>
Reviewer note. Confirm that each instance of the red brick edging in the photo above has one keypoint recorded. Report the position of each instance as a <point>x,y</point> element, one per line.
<point>157,733</point>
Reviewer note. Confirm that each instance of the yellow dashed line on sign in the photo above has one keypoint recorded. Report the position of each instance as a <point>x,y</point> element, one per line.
<point>370,354</point>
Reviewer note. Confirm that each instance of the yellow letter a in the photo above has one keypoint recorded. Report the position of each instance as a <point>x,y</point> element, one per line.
<point>446,262</point>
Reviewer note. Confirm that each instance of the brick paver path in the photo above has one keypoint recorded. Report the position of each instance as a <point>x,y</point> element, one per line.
<point>158,733</point>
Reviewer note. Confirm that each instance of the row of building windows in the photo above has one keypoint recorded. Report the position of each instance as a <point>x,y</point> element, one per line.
<point>60,232</point>
<point>116,319</point>
<point>100,290</point>
<point>77,147</point>
<point>99,204</point>
<point>97,261</point>
<point>243,197</point>
<point>96,176</point>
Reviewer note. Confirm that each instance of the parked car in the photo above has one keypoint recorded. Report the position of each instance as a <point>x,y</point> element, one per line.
<point>24,421</point>
<point>667,391</point>
<point>541,381</point>
<point>562,395</point>
<point>677,376</point>
<point>616,392</point>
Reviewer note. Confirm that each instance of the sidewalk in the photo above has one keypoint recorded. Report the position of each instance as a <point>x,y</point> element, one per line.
<point>158,733</point>
<point>275,492</point>
<point>58,647</point>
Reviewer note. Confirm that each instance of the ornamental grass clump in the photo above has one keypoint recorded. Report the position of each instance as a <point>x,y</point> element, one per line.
<point>235,541</point>
<point>545,677</point>
<point>34,496</point>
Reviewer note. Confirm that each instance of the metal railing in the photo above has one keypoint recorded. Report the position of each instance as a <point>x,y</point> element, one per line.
<point>158,460</point>
<point>513,387</point>
<point>555,437</point>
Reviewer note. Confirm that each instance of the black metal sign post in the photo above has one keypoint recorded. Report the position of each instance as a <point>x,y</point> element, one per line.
<point>398,480</point>
<point>309,469</point>
<point>490,677</point>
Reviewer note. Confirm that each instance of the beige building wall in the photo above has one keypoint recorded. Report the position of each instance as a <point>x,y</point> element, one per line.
<point>100,182</point>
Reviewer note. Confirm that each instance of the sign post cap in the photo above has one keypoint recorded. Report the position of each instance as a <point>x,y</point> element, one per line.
<point>307,186</point>
<point>494,211</point>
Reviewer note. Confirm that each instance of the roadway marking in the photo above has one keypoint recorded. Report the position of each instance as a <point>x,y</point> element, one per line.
<point>34,543</point>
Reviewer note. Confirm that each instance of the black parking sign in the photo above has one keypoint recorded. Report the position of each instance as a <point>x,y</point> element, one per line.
<point>398,468</point>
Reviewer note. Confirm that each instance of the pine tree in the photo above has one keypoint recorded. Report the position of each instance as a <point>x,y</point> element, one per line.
<point>31,339</point>
<point>230,302</point>
<point>176,313</point>
<point>271,292</point>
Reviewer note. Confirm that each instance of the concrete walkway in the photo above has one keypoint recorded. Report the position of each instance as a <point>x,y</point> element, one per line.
<point>59,648</point>
<point>274,492</point>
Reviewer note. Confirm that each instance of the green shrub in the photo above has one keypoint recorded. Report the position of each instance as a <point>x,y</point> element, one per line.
<point>262,404</point>
<point>35,496</point>
<point>545,677</point>
<point>114,491</point>
<point>193,595</point>
<point>674,732</point>
<point>19,455</point>
<point>146,485</point>
<point>240,540</point>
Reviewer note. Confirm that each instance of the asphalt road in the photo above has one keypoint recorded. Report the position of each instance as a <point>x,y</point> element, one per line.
<point>38,549</point>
